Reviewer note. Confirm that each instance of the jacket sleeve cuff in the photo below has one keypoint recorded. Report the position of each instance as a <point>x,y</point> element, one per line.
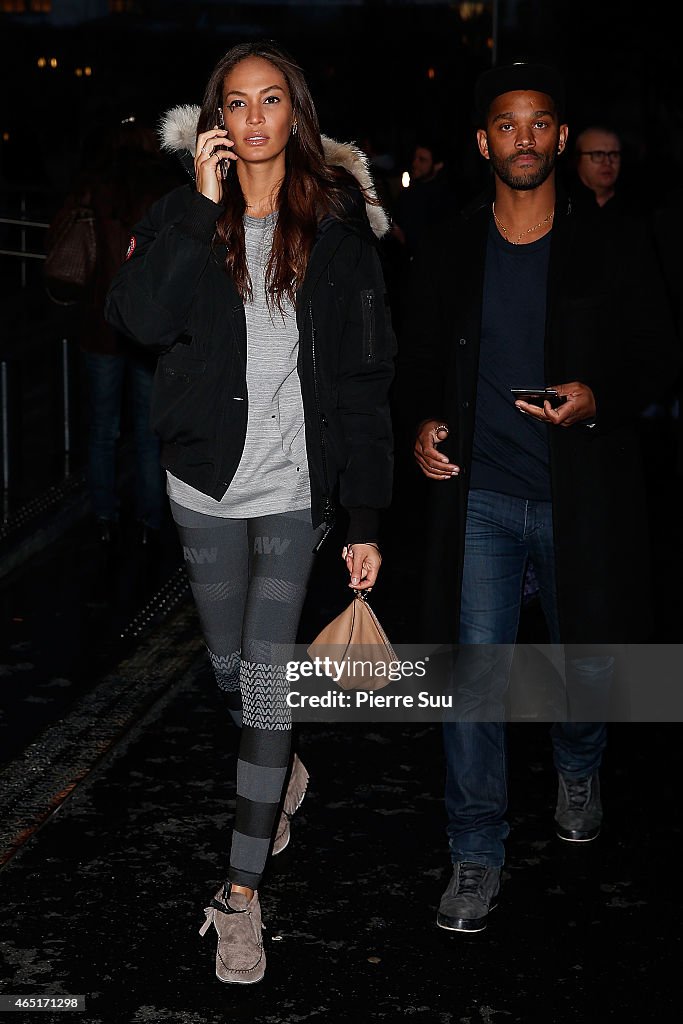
<point>200,219</point>
<point>363,525</point>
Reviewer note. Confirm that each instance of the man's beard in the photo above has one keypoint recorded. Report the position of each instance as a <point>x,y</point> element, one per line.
<point>531,179</point>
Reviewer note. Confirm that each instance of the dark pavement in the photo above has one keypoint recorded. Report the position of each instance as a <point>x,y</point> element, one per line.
<point>116,794</point>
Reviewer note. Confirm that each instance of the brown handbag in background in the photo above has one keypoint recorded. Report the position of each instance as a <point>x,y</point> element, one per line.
<point>356,638</point>
<point>71,246</point>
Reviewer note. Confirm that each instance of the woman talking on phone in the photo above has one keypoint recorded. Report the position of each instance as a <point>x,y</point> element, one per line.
<point>261,288</point>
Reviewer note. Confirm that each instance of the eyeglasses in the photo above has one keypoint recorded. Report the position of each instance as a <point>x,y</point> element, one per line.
<point>598,156</point>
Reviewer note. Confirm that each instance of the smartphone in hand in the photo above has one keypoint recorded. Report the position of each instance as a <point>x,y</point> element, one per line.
<point>538,396</point>
<point>223,165</point>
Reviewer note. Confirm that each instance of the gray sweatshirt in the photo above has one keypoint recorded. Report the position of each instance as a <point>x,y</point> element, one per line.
<point>273,472</point>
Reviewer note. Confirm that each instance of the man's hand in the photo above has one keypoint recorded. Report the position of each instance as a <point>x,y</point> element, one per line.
<point>433,463</point>
<point>580,406</point>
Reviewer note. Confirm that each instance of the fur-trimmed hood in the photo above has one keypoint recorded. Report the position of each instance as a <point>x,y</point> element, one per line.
<point>178,133</point>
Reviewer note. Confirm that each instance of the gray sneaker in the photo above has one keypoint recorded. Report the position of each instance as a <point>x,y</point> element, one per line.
<point>469,897</point>
<point>240,959</point>
<point>578,815</point>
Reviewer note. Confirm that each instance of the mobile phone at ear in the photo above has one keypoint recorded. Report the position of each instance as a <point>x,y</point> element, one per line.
<point>538,396</point>
<point>223,164</point>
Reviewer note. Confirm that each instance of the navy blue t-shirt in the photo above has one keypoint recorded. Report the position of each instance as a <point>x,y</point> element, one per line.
<point>511,454</point>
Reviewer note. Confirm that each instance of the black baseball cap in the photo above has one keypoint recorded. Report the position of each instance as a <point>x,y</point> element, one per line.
<point>518,74</point>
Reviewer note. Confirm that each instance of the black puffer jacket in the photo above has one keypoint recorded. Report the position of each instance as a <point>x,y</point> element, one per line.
<point>173,295</point>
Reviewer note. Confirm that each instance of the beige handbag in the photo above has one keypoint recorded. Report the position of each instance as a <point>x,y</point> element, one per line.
<point>356,639</point>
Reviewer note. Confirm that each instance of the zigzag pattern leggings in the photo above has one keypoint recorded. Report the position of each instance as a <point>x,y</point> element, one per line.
<point>248,580</point>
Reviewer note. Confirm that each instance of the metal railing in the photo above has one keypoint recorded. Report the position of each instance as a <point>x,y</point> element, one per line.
<point>13,400</point>
<point>27,361</point>
<point>23,223</point>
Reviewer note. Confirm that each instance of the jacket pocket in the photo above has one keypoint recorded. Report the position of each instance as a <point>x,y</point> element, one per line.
<point>179,365</point>
<point>178,397</point>
<point>182,374</point>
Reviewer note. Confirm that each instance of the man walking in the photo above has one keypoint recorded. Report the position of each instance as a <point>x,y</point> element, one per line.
<point>519,291</point>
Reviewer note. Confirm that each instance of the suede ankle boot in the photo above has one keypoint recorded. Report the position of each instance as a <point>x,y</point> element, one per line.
<point>240,958</point>
<point>296,791</point>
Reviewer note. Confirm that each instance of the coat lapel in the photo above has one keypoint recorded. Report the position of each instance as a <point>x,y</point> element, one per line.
<point>560,248</point>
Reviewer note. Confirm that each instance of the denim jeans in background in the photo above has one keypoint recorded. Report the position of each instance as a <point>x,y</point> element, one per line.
<point>113,380</point>
<point>503,533</point>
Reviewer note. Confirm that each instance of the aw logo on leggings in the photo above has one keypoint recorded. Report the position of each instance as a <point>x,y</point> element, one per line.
<point>200,556</point>
<point>270,545</point>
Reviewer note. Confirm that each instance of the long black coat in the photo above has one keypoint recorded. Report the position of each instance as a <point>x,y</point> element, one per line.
<point>607,326</point>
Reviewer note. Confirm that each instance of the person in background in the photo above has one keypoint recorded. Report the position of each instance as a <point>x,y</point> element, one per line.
<point>597,185</point>
<point>597,161</point>
<point>124,173</point>
<point>596,180</point>
<point>261,289</point>
<point>428,198</point>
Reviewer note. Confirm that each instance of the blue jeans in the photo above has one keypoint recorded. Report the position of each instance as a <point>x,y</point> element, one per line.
<point>502,534</point>
<point>113,379</point>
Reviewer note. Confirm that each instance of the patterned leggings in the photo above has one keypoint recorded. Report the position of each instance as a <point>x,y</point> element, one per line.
<point>249,579</point>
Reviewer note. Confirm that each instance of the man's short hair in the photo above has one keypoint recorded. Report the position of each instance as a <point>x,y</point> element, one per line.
<point>604,129</point>
<point>435,147</point>
<point>518,74</point>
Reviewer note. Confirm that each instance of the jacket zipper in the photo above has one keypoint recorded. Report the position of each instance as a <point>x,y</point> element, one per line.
<point>328,510</point>
<point>367,298</point>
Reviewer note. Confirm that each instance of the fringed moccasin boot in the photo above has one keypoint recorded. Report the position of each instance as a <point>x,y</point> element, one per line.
<point>296,791</point>
<point>240,959</point>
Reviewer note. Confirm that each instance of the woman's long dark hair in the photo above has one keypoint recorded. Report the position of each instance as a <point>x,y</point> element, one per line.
<point>310,188</point>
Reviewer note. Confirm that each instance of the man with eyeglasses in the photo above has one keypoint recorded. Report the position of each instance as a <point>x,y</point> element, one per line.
<point>598,187</point>
<point>597,164</point>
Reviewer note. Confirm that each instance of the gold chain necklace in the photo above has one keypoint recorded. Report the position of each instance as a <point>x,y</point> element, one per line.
<point>529,231</point>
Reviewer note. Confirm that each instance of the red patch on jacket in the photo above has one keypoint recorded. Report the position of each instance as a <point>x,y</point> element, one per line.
<point>131,247</point>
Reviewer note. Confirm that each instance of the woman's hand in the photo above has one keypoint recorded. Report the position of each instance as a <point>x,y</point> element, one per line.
<point>363,562</point>
<point>213,147</point>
